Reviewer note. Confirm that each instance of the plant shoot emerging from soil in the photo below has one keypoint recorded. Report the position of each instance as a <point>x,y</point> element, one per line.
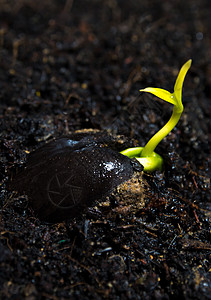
<point>150,160</point>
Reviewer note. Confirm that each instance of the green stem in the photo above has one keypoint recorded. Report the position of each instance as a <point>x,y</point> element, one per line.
<point>155,140</point>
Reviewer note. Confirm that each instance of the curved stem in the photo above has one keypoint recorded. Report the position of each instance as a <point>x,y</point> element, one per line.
<point>155,140</point>
<point>146,156</point>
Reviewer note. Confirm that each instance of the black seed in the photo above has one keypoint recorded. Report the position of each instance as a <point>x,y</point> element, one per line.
<point>67,175</point>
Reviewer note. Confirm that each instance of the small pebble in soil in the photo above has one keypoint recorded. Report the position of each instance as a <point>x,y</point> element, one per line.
<point>68,174</point>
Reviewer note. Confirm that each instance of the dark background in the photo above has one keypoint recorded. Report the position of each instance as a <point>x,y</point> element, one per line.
<point>69,65</point>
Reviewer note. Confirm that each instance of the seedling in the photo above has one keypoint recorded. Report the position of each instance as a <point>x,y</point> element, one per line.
<point>150,160</point>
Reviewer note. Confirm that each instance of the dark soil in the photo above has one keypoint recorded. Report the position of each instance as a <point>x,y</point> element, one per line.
<point>72,65</point>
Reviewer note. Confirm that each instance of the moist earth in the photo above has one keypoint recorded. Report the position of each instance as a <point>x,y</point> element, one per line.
<point>76,65</point>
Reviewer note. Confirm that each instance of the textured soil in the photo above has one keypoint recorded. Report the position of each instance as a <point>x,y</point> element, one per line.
<point>73,65</point>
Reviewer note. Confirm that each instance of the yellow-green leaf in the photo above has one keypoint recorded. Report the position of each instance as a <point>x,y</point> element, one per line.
<point>161,93</point>
<point>179,82</point>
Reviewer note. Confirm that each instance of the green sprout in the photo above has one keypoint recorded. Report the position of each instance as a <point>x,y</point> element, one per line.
<point>150,160</point>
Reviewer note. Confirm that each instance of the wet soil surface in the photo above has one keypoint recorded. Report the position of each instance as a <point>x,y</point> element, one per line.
<point>75,65</point>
